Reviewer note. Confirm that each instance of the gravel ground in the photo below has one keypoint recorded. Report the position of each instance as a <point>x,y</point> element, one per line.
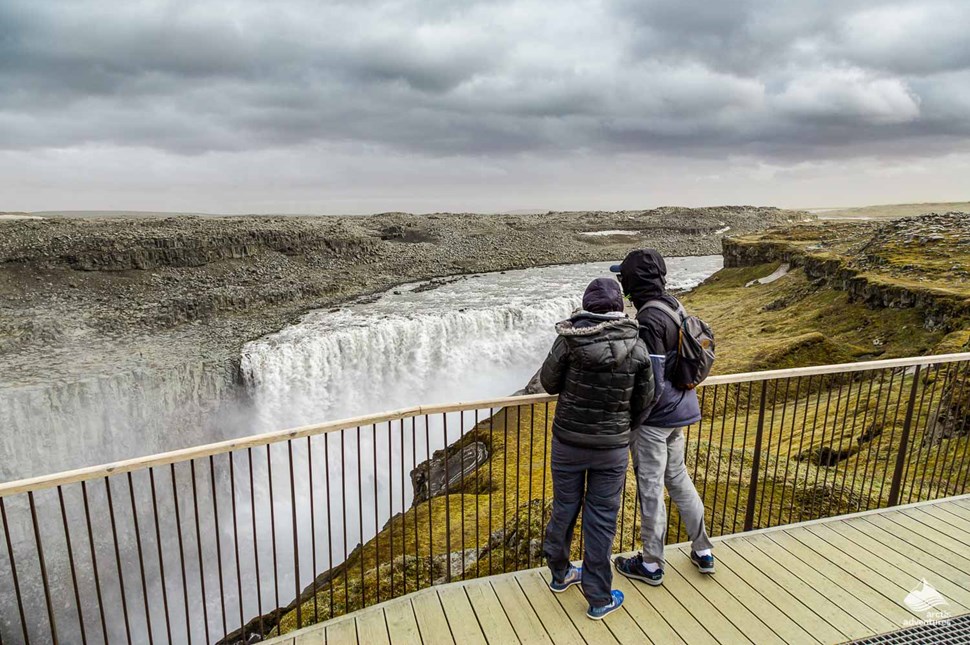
<point>84,297</point>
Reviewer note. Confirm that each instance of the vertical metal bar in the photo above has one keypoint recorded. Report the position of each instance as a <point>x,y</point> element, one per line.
<point>414,467</point>
<point>461,485</point>
<point>744,443</point>
<point>882,426</point>
<point>141,559</point>
<point>720,454</point>
<point>427,450</point>
<point>360,517</point>
<point>272,531</point>
<point>198,544</point>
<point>491,461</point>
<point>771,435</point>
<point>958,473</point>
<point>903,442</point>
<point>734,433</point>
<point>235,541</point>
<point>377,528</point>
<point>447,499</point>
<point>178,529</point>
<point>94,562</point>
<point>926,430</point>
<point>326,482</point>
<point>215,523</point>
<point>801,442</point>
<point>518,476</point>
<point>505,491</point>
<point>43,566</point>
<point>546,431</point>
<point>865,429</point>
<point>851,433</point>
<point>343,505</point>
<point>909,466</point>
<point>478,497</point>
<point>791,440</point>
<point>252,508</point>
<point>121,575</point>
<point>161,557</point>
<point>828,405</point>
<point>756,460</point>
<point>528,517</point>
<point>390,501</point>
<point>296,538</point>
<point>313,527</point>
<point>70,558</point>
<point>16,579</point>
<point>707,464</point>
<point>892,436</point>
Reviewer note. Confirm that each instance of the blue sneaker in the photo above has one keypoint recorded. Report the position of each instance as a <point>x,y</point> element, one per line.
<point>705,563</point>
<point>634,568</point>
<point>599,613</point>
<point>573,576</point>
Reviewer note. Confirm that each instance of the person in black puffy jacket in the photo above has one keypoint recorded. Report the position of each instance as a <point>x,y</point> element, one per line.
<point>601,370</point>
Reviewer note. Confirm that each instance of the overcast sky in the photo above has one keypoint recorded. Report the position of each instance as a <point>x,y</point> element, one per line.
<point>355,106</point>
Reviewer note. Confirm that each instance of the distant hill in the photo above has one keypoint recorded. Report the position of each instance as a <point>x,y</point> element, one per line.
<point>890,211</point>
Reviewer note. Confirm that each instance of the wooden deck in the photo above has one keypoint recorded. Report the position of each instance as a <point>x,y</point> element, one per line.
<point>826,581</point>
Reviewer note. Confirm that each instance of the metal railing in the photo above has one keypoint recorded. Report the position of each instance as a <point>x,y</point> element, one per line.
<point>264,534</point>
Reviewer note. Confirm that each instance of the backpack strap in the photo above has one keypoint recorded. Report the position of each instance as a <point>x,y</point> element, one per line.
<point>677,315</point>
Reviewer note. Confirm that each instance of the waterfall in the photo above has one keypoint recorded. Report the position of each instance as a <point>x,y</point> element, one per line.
<point>472,338</point>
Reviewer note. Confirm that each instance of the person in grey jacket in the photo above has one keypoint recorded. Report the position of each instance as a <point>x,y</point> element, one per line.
<point>601,370</point>
<point>658,440</point>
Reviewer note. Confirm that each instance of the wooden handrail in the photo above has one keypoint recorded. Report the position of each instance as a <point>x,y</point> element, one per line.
<point>197,452</point>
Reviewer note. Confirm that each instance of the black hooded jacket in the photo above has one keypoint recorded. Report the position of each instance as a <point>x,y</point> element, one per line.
<point>643,275</point>
<point>601,370</point>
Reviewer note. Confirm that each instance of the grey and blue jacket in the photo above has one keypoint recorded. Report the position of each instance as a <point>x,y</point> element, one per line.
<point>643,275</point>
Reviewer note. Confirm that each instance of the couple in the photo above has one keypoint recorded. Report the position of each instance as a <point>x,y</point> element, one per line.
<point>614,396</point>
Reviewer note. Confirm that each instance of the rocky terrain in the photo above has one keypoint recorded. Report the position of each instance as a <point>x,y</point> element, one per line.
<point>83,297</point>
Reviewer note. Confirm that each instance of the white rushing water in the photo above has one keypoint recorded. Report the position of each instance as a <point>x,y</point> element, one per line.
<point>474,338</point>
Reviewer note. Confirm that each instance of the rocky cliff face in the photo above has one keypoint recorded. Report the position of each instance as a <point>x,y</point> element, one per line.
<point>920,262</point>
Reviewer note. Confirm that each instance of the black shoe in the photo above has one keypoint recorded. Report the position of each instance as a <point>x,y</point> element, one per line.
<point>635,569</point>
<point>705,563</point>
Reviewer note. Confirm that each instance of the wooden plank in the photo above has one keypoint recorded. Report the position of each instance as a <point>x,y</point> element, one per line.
<point>431,618</point>
<point>666,605</point>
<point>878,583</point>
<point>311,637</point>
<point>574,603</point>
<point>777,595</point>
<point>461,617</point>
<point>372,628</point>
<point>943,539</point>
<point>956,509</point>
<point>890,609</point>
<point>916,539</point>
<point>342,632</point>
<point>648,619</point>
<point>875,622</point>
<point>402,625</point>
<point>902,571</point>
<point>519,612</point>
<point>548,609</point>
<point>916,563</point>
<point>819,603</point>
<point>498,630</point>
<point>958,524</point>
<point>714,621</point>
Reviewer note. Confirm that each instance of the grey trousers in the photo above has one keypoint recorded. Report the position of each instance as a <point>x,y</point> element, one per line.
<point>658,459</point>
<point>592,480</point>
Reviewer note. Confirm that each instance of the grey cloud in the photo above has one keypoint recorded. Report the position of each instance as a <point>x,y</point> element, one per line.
<point>485,78</point>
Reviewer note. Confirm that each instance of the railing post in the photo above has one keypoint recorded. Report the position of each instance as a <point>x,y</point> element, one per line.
<point>904,442</point>
<point>756,461</point>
